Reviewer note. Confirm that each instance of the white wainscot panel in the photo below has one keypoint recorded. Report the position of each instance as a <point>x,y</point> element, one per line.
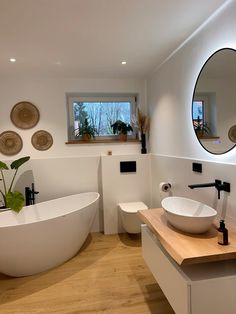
<point>120,187</point>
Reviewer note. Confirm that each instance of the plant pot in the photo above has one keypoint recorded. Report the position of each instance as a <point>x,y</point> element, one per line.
<point>123,137</point>
<point>86,137</point>
<point>199,133</point>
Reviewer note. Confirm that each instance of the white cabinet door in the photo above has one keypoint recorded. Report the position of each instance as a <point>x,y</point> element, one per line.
<point>214,296</point>
<point>172,282</point>
<point>208,288</point>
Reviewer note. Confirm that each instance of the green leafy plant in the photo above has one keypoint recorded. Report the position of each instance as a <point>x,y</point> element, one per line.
<point>13,200</point>
<point>85,130</point>
<point>120,127</point>
<point>200,127</point>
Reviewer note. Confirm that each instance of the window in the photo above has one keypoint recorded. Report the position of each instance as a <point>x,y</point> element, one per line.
<point>100,111</point>
<point>198,112</point>
<point>198,107</point>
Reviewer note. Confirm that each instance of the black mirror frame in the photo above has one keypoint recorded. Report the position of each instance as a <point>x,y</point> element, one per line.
<point>193,99</point>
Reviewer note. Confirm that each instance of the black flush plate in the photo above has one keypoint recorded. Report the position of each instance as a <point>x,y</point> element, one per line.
<point>197,167</point>
<point>128,166</point>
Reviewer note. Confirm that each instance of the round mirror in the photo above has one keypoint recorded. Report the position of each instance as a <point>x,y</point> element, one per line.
<point>214,102</point>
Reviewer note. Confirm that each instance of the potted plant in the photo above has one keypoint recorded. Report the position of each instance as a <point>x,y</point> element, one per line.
<point>200,127</point>
<point>86,131</point>
<point>13,200</point>
<point>121,128</point>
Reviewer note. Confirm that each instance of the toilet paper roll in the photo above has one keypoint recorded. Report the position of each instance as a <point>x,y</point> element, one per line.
<point>165,186</point>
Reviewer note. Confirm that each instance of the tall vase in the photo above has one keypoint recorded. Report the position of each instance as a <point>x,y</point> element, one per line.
<point>143,142</point>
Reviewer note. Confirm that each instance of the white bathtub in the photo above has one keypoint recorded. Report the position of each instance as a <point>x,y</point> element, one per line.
<point>45,235</point>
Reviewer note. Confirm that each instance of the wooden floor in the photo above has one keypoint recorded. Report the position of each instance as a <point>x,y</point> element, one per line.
<point>107,276</point>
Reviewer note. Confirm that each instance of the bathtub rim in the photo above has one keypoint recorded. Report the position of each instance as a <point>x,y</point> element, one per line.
<point>51,218</point>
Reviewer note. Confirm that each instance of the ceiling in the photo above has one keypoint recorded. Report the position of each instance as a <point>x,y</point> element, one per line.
<point>90,38</point>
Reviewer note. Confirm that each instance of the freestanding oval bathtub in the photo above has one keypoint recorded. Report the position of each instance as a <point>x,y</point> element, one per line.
<point>45,235</point>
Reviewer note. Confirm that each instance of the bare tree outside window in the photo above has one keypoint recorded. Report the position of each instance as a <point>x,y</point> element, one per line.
<point>101,115</point>
<point>99,111</point>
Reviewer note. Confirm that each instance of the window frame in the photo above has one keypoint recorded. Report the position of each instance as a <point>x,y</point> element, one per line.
<point>99,97</point>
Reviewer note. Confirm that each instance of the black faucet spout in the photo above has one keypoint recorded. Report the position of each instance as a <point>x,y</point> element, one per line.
<point>225,186</point>
<point>204,185</point>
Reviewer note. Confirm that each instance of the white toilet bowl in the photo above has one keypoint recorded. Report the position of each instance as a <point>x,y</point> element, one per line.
<point>129,217</point>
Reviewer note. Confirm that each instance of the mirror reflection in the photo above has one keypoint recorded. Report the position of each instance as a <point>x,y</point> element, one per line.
<point>214,102</point>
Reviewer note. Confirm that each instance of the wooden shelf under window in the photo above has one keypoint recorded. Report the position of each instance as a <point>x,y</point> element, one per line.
<point>208,137</point>
<point>99,141</point>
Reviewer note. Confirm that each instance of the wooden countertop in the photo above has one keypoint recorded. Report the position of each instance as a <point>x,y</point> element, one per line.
<point>186,248</point>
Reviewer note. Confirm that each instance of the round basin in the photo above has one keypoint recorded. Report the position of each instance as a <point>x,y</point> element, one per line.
<point>188,215</point>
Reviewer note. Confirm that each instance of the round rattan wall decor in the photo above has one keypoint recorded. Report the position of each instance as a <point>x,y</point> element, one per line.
<point>232,133</point>
<point>42,140</point>
<point>10,143</point>
<point>24,115</point>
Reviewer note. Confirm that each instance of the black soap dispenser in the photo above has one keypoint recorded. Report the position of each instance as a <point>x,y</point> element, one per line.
<point>222,234</point>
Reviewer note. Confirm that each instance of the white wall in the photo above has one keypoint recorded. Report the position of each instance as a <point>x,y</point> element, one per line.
<point>48,94</point>
<point>57,177</point>
<point>63,169</point>
<point>178,172</point>
<point>170,90</point>
<point>120,187</point>
<point>172,139</point>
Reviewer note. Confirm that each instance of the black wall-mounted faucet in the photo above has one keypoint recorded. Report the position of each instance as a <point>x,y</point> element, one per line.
<point>30,195</point>
<point>225,186</point>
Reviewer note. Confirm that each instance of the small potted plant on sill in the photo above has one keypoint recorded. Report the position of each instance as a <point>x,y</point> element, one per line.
<point>200,128</point>
<point>121,128</point>
<point>12,200</point>
<point>86,131</point>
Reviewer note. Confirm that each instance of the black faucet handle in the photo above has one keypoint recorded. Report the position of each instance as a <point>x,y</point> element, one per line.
<point>226,186</point>
<point>32,189</point>
<point>217,183</point>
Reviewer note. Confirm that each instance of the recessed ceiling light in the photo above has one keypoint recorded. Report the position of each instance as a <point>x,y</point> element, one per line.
<point>12,60</point>
<point>123,62</point>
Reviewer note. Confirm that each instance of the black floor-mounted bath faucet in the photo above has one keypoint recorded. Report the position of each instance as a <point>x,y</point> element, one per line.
<point>225,186</point>
<point>30,195</point>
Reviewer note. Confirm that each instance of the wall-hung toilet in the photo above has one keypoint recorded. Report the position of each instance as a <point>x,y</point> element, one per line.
<point>129,217</point>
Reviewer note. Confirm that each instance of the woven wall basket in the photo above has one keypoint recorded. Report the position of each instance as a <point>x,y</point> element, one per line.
<point>232,133</point>
<point>42,140</point>
<point>24,115</point>
<point>10,143</point>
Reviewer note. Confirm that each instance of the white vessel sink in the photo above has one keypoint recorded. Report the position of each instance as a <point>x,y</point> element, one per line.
<point>188,215</point>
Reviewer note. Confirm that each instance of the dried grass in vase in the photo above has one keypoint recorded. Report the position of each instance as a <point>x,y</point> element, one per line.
<point>141,122</point>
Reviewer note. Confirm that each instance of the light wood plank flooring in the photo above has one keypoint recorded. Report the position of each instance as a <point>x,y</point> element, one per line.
<point>107,276</point>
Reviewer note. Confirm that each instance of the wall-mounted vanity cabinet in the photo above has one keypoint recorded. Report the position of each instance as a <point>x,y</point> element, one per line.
<point>205,288</point>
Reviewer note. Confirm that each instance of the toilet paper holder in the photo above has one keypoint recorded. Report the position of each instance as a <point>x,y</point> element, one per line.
<point>165,186</point>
